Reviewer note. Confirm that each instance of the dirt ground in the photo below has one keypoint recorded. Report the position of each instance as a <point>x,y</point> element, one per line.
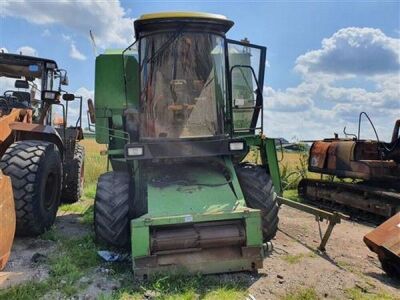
<point>347,268</point>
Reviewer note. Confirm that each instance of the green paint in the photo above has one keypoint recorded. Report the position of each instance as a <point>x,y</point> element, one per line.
<point>273,165</point>
<point>202,195</point>
<point>253,230</point>
<point>140,240</point>
<point>110,96</point>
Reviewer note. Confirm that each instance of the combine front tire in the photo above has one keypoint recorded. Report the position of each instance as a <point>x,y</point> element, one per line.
<point>111,209</point>
<point>259,193</point>
<point>74,176</point>
<point>35,170</point>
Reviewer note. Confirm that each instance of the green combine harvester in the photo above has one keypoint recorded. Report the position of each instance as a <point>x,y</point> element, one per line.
<point>179,110</point>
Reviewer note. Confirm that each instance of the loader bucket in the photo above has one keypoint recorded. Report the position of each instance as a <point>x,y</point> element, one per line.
<point>385,241</point>
<point>7,219</point>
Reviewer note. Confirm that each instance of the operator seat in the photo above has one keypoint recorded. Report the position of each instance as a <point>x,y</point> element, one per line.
<point>23,97</point>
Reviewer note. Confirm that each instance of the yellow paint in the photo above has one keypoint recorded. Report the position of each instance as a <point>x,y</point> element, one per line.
<point>182,14</point>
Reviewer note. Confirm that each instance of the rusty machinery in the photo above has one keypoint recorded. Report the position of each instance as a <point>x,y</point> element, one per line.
<point>42,158</point>
<point>369,173</point>
<point>385,242</point>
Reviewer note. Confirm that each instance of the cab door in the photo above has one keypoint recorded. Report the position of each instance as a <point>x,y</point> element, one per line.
<point>246,81</point>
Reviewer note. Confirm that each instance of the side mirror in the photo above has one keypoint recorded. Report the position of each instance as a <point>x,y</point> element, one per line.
<point>51,96</point>
<point>64,79</point>
<point>91,113</point>
<point>21,84</point>
<point>68,97</point>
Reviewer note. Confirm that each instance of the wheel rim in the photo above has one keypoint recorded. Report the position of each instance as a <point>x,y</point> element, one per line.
<point>50,190</point>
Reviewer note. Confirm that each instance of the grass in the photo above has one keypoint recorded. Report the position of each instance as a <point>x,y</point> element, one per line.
<point>357,293</point>
<point>296,258</point>
<point>302,294</point>
<point>71,261</point>
<point>95,164</point>
<point>181,286</point>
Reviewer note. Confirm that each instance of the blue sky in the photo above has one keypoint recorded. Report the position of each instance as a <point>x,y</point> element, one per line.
<point>328,60</point>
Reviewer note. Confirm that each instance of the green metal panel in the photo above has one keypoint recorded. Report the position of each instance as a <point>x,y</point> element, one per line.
<point>273,164</point>
<point>140,240</point>
<point>178,199</point>
<point>268,152</point>
<point>110,96</point>
<point>183,204</point>
<point>234,214</point>
<point>253,230</point>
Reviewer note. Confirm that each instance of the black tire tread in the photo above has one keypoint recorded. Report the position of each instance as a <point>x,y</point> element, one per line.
<point>111,212</point>
<point>259,193</point>
<point>21,162</point>
<point>72,190</point>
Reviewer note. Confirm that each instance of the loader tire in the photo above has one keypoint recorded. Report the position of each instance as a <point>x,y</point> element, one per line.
<point>111,209</point>
<point>74,176</point>
<point>259,193</point>
<point>35,170</point>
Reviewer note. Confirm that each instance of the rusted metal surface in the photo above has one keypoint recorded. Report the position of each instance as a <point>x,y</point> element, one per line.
<point>207,235</point>
<point>201,247</point>
<point>318,153</point>
<point>7,219</point>
<point>385,242</point>
<point>373,165</point>
<point>205,261</point>
<point>378,201</point>
<point>352,159</point>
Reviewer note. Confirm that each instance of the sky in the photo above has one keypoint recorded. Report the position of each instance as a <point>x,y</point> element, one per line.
<point>327,60</point>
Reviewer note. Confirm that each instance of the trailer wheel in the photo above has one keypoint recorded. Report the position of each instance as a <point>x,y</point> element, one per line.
<point>35,170</point>
<point>74,176</point>
<point>259,193</point>
<point>111,209</point>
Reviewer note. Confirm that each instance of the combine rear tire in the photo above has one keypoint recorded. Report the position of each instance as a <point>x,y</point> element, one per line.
<point>111,209</point>
<point>259,193</point>
<point>74,176</point>
<point>35,170</point>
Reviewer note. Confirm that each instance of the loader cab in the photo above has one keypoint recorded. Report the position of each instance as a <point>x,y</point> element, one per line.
<point>37,81</point>
<point>194,83</point>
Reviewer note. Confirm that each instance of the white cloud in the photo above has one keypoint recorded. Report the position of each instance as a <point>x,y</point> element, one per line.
<point>352,50</point>
<point>340,80</point>
<point>107,19</point>
<point>46,33</point>
<point>75,53</point>
<point>3,50</point>
<point>27,50</point>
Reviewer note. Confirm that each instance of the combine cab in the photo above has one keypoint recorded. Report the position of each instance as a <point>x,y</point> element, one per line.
<point>371,173</point>
<point>179,110</point>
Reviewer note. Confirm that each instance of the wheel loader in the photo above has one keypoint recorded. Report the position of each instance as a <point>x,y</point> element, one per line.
<point>180,109</point>
<point>368,173</point>
<point>42,159</point>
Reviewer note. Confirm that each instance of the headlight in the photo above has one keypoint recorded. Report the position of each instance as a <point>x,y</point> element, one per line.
<point>236,146</point>
<point>135,151</point>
